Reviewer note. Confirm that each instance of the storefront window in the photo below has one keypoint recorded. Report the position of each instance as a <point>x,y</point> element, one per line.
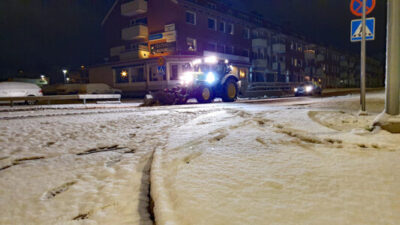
<point>122,75</point>
<point>137,75</point>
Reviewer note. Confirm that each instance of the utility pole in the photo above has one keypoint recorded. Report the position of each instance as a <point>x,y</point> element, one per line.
<point>393,58</point>
<point>363,56</point>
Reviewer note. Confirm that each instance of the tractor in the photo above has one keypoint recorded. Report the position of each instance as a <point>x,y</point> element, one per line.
<point>205,79</point>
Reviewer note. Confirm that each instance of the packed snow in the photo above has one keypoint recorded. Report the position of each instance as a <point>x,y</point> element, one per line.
<point>305,161</point>
<point>80,169</point>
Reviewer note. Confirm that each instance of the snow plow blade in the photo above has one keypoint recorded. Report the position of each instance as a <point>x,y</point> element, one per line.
<point>164,97</point>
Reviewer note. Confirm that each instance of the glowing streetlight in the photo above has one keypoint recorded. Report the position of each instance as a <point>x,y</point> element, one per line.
<point>65,74</point>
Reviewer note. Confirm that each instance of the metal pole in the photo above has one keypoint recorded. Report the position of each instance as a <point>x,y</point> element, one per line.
<point>393,58</point>
<point>363,56</point>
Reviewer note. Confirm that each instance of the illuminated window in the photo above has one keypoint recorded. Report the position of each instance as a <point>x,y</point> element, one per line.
<point>191,17</point>
<point>191,44</point>
<point>212,24</point>
<point>122,75</point>
<point>242,73</point>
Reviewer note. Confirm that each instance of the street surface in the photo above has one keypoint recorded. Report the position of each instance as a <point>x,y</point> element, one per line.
<point>285,161</point>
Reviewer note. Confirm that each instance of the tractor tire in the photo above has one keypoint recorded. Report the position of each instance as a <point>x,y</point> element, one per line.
<point>205,94</point>
<point>230,91</point>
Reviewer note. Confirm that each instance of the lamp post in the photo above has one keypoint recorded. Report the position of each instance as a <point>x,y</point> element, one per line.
<point>64,71</point>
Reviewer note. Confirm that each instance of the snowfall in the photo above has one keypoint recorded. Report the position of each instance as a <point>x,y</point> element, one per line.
<point>295,161</point>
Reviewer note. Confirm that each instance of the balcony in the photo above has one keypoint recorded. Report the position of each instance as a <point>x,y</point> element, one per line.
<point>134,54</point>
<point>259,42</point>
<point>133,8</point>
<point>135,32</point>
<point>116,50</point>
<point>320,58</point>
<point>275,67</point>
<point>260,63</point>
<point>279,48</point>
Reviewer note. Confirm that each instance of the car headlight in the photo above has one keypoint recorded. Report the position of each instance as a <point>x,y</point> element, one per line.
<point>296,89</point>
<point>210,78</point>
<point>309,88</point>
<point>187,78</point>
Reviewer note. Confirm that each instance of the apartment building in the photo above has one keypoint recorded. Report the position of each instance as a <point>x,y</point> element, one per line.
<point>151,42</point>
<point>142,33</point>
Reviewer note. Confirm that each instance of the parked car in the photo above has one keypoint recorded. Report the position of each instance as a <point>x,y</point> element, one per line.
<point>20,89</point>
<point>308,88</point>
<point>98,88</point>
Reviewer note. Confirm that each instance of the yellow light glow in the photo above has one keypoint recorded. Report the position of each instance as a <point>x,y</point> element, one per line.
<point>124,73</point>
<point>242,74</point>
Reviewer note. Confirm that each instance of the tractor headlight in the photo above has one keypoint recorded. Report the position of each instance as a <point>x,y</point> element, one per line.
<point>210,78</point>
<point>309,88</point>
<point>187,78</point>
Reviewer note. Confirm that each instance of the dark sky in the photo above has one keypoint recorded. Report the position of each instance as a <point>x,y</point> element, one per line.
<point>44,35</point>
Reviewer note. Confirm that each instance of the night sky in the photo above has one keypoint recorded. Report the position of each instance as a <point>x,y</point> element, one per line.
<point>41,36</point>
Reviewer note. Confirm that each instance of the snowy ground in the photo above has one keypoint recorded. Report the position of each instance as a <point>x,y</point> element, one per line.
<point>303,163</point>
<point>312,161</point>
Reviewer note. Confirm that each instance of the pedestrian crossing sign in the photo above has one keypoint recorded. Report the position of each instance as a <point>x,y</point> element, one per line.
<point>356,30</point>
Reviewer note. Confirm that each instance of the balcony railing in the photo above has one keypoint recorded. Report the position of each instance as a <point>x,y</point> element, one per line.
<point>260,42</point>
<point>135,32</point>
<point>133,8</point>
<point>279,48</point>
<point>263,63</point>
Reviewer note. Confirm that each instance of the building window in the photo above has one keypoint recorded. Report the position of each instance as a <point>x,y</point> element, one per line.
<point>246,33</point>
<point>221,48</point>
<point>229,50</point>
<point>140,21</point>
<point>222,26</point>
<point>211,46</point>
<point>137,75</point>
<point>230,29</point>
<point>191,44</point>
<point>212,24</point>
<point>191,17</point>
<point>211,5</point>
<point>122,76</point>
<point>246,53</point>
<point>174,72</point>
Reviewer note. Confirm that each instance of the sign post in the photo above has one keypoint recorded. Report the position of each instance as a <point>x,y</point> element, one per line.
<point>363,56</point>
<point>362,8</point>
<point>393,58</point>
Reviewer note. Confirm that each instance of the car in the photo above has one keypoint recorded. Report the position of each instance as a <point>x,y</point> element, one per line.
<point>20,89</point>
<point>98,88</point>
<point>308,88</point>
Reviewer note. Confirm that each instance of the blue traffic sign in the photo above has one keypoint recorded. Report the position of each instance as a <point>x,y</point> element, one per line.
<point>356,30</point>
<point>161,69</point>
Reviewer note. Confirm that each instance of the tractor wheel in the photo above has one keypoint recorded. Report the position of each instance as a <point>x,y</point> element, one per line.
<point>205,94</point>
<point>230,91</point>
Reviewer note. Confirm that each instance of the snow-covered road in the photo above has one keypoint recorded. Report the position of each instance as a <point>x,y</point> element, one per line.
<point>310,161</point>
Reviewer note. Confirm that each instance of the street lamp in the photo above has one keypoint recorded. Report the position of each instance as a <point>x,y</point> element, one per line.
<point>65,74</point>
